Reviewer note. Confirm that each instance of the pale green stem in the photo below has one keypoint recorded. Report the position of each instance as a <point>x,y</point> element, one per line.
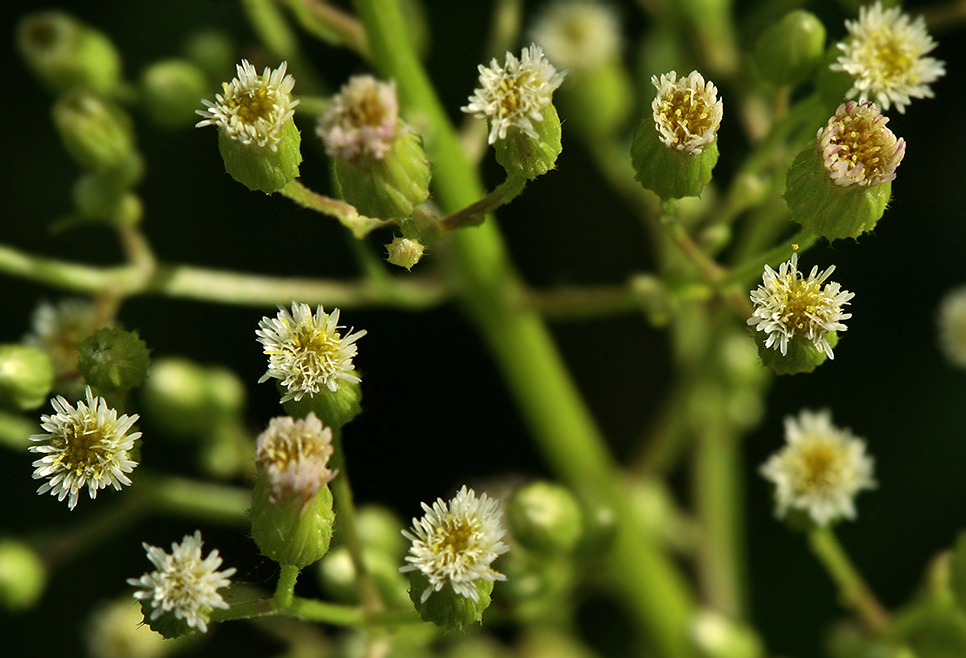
<point>505,29</point>
<point>188,282</point>
<point>348,216</point>
<point>654,590</point>
<point>203,500</point>
<point>268,22</point>
<point>285,589</point>
<point>475,213</point>
<point>852,588</point>
<point>345,513</point>
<point>330,24</point>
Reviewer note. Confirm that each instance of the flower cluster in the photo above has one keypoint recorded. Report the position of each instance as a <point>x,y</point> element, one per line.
<point>515,95</point>
<point>183,584</point>
<point>306,352</point>
<point>788,303</point>
<point>456,543</point>
<point>687,111</point>
<point>252,108</point>
<point>821,469</point>
<point>857,148</point>
<point>86,446</point>
<point>885,54</point>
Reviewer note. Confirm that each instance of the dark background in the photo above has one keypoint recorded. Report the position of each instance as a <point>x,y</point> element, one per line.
<point>437,415</point>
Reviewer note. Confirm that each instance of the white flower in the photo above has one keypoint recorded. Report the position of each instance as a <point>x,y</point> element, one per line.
<point>456,543</point>
<point>361,121</point>
<point>857,148</point>
<point>687,112</point>
<point>307,352</point>
<point>294,455</point>
<point>578,34</point>
<point>885,55</point>
<point>952,326</point>
<point>183,583</point>
<point>87,446</point>
<point>789,303</point>
<point>515,95</point>
<point>252,109</point>
<point>59,329</point>
<point>821,469</point>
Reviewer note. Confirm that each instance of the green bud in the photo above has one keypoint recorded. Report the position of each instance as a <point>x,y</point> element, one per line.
<point>65,53</point>
<point>288,529</point>
<point>839,186</point>
<point>545,518</point>
<point>545,642</point>
<point>789,51</point>
<point>166,624</point>
<point>380,530</point>
<point>598,100</point>
<point>337,575</point>
<point>716,636</point>
<point>23,576</point>
<point>178,398</point>
<point>96,132</point>
<point>832,85</point>
<point>26,377</point>
<point>802,355</point>
<point>113,359</point>
<point>404,252</point>
<point>389,187</point>
<point>334,408</point>
<point>260,167</point>
<point>446,608</point>
<point>523,155</point>
<point>210,50</point>
<point>600,529</point>
<point>669,173</point>
<point>170,91</point>
<point>98,197</point>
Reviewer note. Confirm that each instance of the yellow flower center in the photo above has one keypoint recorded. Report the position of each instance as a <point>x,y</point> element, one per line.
<point>817,466</point>
<point>456,536</point>
<point>863,141</point>
<point>254,105</point>
<point>685,113</point>
<point>887,55</point>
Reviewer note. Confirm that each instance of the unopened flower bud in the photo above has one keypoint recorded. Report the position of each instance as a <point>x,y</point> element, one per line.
<point>716,636</point>
<point>96,132</point>
<point>379,162</point>
<point>675,150</point>
<point>98,197</point>
<point>171,89</point>
<point>404,252</point>
<point>517,100</point>
<point>257,136</point>
<point>113,359</point>
<point>26,377</point>
<point>23,576</point>
<point>65,53</point>
<point>338,577</point>
<point>379,529</point>
<point>291,511</point>
<point>211,50</point>
<point>545,518</point>
<point>790,50</point>
<point>446,608</point>
<point>839,186</point>
<point>186,399</point>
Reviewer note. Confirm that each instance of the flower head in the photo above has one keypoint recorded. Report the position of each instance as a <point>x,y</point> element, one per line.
<point>362,120</point>
<point>515,95</point>
<point>59,329</point>
<point>820,470</point>
<point>787,302</point>
<point>857,148</point>
<point>87,446</point>
<point>252,109</point>
<point>885,54</point>
<point>578,34</point>
<point>952,326</point>
<point>294,455</point>
<point>183,583</point>
<point>455,543</point>
<point>687,112</point>
<point>306,352</point>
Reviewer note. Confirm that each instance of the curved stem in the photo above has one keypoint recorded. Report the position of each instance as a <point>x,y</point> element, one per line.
<point>360,225</point>
<point>285,590</point>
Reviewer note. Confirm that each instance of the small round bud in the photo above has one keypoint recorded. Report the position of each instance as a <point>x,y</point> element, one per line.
<point>675,150</point>
<point>170,91</point>
<point>98,197</point>
<point>446,608</point>
<point>23,576</point>
<point>114,629</point>
<point>404,252</point>
<point>291,510</point>
<point>178,397</point>
<point>338,577</point>
<point>789,51</point>
<point>716,636</point>
<point>380,530</point>
<point>840,185</point>
<point>113,359</point>
<point>26,377</point>
<point>545,518</point>
<point>210,50</point>
<point>96,132</point>
<point>600,530</point>
<point>65,53</point>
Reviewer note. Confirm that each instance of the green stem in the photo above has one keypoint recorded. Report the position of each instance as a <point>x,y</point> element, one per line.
<point>653,588</point>
<point>220,286</point>
<point>348,216</point>
<point>346,514</point>
<point>474,214</point>
<point>327,613</point>
<point>752,269</point>
<point>285,590</point>
<point>203,500</point>
<point>852,588</point>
